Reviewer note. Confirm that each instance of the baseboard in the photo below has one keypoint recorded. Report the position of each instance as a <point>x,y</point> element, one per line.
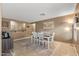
<point>21,38</point>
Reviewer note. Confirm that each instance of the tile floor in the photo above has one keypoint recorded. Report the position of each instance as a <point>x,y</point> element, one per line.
<point>26,48</point>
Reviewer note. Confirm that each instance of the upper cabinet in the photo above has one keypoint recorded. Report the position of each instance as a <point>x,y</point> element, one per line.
<point>5,24</point>
<point>14,25</point>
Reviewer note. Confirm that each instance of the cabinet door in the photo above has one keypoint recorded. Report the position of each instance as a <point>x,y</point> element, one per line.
<point>5,24</point>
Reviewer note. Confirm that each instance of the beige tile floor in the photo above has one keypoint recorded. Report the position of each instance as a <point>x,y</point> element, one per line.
<point>26,48</point>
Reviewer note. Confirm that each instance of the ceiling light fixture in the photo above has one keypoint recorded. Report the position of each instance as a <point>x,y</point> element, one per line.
<point>42,14</point>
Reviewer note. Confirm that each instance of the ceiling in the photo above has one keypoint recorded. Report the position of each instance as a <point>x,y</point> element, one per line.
<point>31,12</point>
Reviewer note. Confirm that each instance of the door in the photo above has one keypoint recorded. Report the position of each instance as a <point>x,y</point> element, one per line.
<point>0,28</point>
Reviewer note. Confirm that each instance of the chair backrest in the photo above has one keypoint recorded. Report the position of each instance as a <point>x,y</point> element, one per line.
<point>34,34</point>
<point>47,33</point>
<point>41,35</point>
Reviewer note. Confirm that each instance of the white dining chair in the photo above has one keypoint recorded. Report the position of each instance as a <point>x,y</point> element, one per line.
<point>52,40</point>
<point>41,37</point>
<point>34,37</point>
<point>49,40</point>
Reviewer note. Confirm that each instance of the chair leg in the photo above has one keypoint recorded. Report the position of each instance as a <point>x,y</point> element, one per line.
<point>48,45</point>
<point>34,41</point>
<point>39,42</point>
<point>31,40</point>
<point>44,44</point>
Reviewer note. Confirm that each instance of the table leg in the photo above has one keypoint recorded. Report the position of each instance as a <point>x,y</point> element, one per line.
<point>48,44</point>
